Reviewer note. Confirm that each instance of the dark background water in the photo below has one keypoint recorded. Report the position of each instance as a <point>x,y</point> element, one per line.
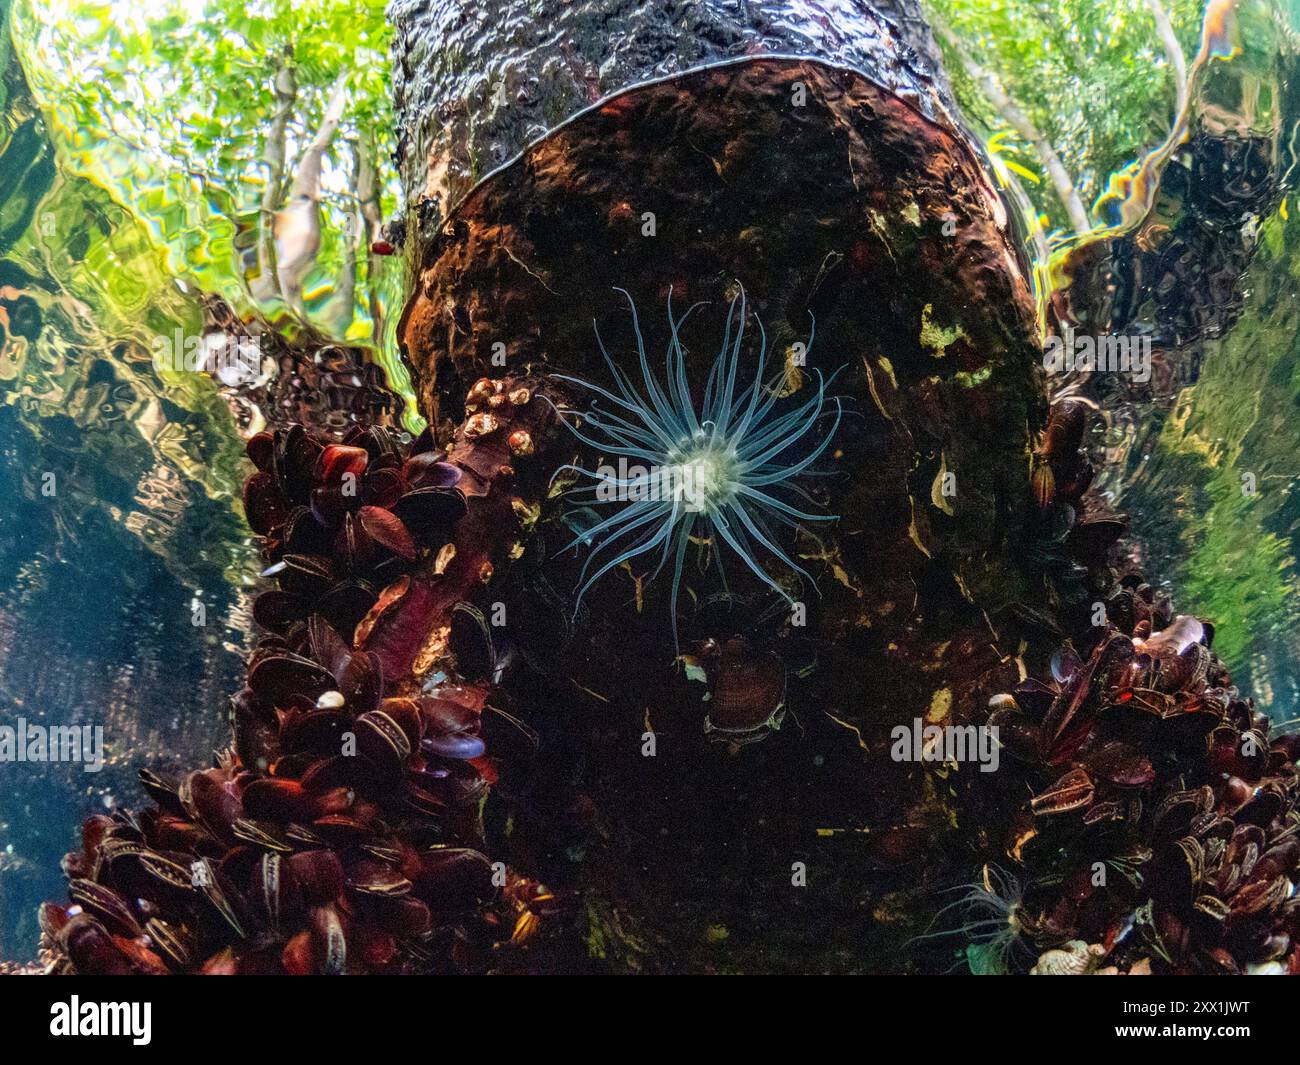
<point>94,629</point>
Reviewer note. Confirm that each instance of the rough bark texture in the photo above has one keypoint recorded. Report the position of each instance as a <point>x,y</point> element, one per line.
<point>476,83</point>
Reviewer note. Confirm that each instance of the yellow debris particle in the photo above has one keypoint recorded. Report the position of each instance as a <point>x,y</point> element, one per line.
<point>940,706</point>
<point>852,728</point>
<point>936,489</point>
<point>915,533</point>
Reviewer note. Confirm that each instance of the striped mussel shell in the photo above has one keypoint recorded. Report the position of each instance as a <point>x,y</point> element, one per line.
<point>274,894</point>
<point>106,905</point>
<point>263,835</point>
<point>213,887</point>
<point>174,943</point>
<point>329,940</point>
<point>377,879</point>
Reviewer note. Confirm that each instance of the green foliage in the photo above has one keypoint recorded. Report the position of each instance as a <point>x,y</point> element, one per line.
<point>171,107</point>
<point>1092,76</point>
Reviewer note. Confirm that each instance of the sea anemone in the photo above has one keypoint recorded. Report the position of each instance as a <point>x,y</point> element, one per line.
<point>992,916</point>
<point>714,470</point>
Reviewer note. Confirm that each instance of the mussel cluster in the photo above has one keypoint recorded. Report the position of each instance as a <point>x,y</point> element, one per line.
<point>342,831</point>
<point>1153,812</point>
<point>343,521</point>
<point>1163,826</point>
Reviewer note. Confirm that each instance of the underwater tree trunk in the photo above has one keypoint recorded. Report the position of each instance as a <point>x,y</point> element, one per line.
<point>817,164</point>
<point>446,758</point>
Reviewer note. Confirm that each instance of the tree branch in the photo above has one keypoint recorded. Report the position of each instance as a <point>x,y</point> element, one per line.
<point>1173,52</point>
<point>273,155</point>
<point>297,225</point>
<point>1060,178</point>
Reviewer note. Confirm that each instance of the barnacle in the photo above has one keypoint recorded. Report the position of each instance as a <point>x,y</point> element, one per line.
<point>715,469</point>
